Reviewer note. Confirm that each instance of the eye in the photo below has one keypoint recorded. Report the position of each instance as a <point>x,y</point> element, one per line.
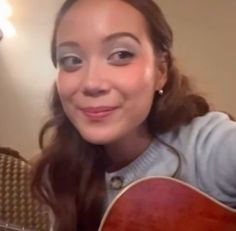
<point>120,58</point>
<point>70,63</point>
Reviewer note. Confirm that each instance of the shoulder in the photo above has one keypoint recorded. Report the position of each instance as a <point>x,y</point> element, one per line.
<point>210,129</point>
<point>208,147</point>
<point>210,120</point>
<point>201,130</point>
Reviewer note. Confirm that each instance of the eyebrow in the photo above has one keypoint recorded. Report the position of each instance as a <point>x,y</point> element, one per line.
<point>119,35</point>
<point>68,44</point>
<point>106,39</point>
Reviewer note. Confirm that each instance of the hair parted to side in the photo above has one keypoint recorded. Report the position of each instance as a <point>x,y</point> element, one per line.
<point>69,178</point>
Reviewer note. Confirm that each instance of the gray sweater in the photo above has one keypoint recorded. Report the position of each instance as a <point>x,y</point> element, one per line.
<point>208,148</point>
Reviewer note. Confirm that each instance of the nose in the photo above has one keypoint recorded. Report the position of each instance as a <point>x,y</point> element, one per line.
<point>95,82</point>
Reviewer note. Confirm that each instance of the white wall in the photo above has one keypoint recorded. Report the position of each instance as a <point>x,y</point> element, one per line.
<point>26,75</point>
<point>205,47</point>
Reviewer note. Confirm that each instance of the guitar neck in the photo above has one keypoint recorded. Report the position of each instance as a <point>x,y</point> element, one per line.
<point>10,227</point>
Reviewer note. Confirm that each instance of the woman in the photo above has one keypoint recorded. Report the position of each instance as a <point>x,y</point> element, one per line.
<point>121,110</point>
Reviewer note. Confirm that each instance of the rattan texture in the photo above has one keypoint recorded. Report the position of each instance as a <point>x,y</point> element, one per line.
<point>17,205</point>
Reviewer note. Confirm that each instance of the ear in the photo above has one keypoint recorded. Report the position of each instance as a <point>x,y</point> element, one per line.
<point>161,71</point>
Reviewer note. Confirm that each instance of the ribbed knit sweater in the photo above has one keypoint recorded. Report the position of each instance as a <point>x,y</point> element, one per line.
<point>208,149</point>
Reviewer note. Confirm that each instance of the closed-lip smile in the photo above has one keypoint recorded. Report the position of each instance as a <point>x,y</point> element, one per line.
<point>98,112</point>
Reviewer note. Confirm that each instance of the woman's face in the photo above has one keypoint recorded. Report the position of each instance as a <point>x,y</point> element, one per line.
<point>108,72</point>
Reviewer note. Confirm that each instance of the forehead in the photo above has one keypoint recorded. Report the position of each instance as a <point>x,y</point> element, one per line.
<point>101,17</point>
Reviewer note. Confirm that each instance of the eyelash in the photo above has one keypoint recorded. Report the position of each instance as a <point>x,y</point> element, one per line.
<point>74,63</point>
<point>71,63</point>
<point>125,60</point>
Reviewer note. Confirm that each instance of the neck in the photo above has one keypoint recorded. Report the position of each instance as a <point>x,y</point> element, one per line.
<point>127,149</point>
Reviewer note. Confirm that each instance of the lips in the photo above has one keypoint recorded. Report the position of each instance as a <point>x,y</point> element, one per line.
<point>98,112</point>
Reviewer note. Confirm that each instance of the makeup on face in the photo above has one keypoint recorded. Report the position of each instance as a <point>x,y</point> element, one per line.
<point>117,49</point>
<point>106,78</point>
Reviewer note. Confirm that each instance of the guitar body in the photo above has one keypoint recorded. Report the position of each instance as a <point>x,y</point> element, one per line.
<point>166,204</point>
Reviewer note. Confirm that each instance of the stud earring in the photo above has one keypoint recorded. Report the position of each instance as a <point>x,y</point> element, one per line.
<point>161,92</point>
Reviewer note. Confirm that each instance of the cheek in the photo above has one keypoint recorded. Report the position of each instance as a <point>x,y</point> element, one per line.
<point>66,84</point>
<point>138,77</point>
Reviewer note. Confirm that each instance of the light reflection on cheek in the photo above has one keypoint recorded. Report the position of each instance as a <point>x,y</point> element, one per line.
<point>141,74</point>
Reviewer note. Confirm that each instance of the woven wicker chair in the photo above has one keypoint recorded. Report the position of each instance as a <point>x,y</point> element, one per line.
<point>16,203</point>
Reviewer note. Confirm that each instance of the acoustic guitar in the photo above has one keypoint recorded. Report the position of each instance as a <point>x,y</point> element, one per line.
<point>166,204</point>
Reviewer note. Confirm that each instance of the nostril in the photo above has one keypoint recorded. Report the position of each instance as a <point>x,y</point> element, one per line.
<point>95,87</point>
<point>94,92</point>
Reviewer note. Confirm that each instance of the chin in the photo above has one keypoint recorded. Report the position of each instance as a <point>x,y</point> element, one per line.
<point>102,135</point>
<point>97,139</point>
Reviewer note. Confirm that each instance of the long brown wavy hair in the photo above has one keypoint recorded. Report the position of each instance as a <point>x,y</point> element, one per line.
<point>70,176</point>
